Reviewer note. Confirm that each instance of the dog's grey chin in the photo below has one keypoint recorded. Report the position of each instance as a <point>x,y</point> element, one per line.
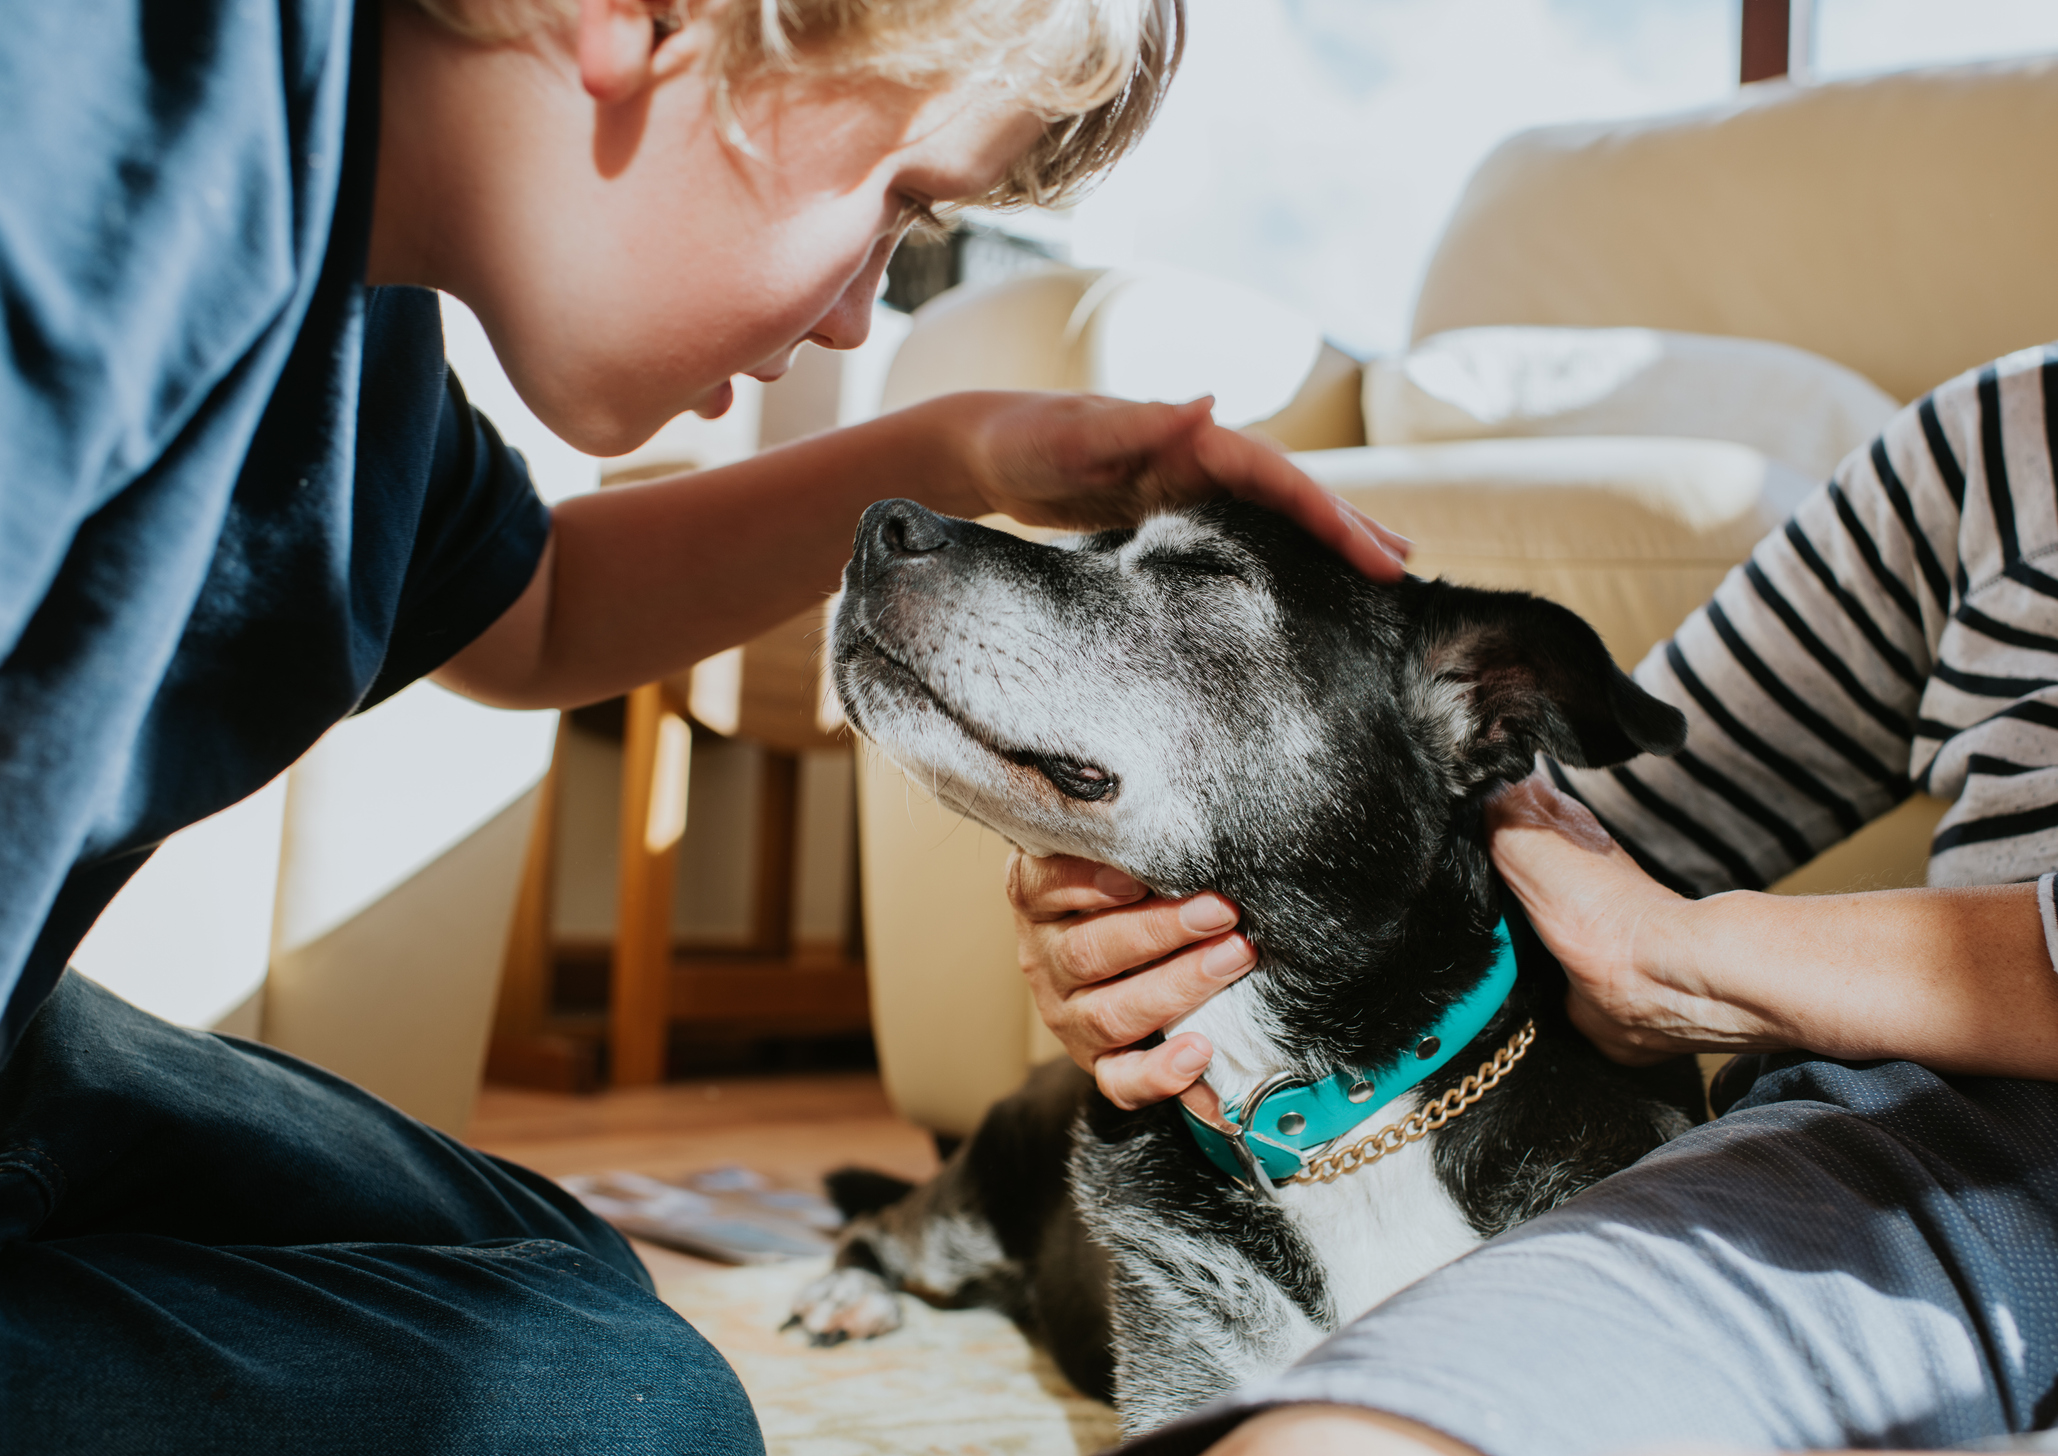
<point>866,668</point>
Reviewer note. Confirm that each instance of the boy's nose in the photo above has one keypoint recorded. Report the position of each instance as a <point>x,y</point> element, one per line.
<point>848,323</point>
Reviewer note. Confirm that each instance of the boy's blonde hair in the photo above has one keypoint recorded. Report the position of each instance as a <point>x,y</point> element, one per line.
<point>1094,69</point>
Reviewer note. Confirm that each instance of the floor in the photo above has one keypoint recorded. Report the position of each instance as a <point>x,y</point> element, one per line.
<point>947,1383</point>
<point>791,1128</point>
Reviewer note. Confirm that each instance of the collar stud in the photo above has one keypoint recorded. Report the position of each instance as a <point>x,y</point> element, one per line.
<point>1292,1123</point>
<point>1359,1091</point>
<point>1430,1047</point>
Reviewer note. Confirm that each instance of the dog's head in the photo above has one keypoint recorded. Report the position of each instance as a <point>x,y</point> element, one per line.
<point>1214,701</point>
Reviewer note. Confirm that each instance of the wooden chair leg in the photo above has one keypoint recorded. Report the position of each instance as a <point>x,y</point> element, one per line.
<point>656,753</point>
<point>777,833</point>
<point>525,1050</point>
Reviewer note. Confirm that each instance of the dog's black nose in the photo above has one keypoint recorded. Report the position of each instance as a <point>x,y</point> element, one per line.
<point>898,528</point>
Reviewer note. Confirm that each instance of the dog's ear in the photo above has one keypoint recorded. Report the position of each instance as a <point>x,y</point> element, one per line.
<point>1521,675</point>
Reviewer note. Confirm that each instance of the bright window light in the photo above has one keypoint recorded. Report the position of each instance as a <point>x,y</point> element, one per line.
<point>1855,37</point>
<point>1312,149</point>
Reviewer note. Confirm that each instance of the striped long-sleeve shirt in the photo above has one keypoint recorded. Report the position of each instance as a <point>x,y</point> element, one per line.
<point>1899,632</point>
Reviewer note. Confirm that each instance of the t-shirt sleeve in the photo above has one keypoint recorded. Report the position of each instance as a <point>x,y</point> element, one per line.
<point>482,533</point>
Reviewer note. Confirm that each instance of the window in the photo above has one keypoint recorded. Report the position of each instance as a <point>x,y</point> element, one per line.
<point>1856,37</point>
<point>1313,148</point>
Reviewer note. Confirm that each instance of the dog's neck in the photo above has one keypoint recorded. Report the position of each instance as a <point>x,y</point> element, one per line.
<point>1355,983</point>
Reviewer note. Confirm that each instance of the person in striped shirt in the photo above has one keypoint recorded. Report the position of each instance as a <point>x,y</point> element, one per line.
<point>1863,1251</point>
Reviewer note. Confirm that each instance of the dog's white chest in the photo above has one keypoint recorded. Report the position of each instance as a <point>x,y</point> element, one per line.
<point>1374,1231</point>
<point>1383,1227</point>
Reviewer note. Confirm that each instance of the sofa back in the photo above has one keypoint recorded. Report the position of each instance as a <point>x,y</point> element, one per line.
<point>1903,225</point>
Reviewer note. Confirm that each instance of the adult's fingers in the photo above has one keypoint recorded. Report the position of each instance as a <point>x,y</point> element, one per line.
<point>1061,884</point>
<point>1087,949</point>
<point>1537,803</point>
<point>1139,1076</point>
<point>1098,1018</point>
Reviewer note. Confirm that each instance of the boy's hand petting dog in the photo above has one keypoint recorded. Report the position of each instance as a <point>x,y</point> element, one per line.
<point>1082,929</point>
<point>1087,462</point>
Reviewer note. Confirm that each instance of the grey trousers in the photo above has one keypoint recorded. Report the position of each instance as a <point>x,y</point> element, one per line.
<point>1855,1255</point>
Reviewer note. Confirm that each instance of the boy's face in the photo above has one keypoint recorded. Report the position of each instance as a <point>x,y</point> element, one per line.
<point>810,225</point>
<point>625,257</point>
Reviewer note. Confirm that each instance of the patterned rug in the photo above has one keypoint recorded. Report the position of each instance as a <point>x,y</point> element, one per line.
<point>946,1383</point>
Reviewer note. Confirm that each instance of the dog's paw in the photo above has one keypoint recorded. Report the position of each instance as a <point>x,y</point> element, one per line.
<point>846,1304</point>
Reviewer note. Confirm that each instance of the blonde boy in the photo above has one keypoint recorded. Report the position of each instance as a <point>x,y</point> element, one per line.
<point>240,498</point>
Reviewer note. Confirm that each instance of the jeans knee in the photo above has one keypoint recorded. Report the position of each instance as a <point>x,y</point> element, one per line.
<point>597,1363</point>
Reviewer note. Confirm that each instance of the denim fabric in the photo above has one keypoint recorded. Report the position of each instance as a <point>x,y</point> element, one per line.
<point>208,1246</point>
<point>1854,1256</point>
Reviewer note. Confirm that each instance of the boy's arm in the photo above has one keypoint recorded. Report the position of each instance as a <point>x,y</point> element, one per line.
<point>642,581</point>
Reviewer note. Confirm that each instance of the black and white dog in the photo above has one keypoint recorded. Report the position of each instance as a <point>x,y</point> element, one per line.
<point>1212,701</point>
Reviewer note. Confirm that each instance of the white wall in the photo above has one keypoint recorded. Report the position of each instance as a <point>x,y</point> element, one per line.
<point>190,936</point>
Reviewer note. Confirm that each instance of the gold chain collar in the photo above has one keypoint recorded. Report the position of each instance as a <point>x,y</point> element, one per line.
<point>1367,1150</point>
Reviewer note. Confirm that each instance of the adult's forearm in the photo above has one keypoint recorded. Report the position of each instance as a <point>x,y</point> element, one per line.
<point>1957,979</point>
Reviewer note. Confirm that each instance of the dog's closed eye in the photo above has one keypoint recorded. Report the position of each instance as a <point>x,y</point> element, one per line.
<point>1194,565</point>
<point>1072,777</point>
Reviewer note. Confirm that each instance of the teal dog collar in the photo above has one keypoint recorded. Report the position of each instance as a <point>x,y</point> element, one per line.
<point>1271,1134</point>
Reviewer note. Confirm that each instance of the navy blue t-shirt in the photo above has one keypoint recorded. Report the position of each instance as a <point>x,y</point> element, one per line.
<point>241,496</point>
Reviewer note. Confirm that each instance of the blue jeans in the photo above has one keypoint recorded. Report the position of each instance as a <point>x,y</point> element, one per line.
<point>1855,1255</point>
<point>206,1245</point>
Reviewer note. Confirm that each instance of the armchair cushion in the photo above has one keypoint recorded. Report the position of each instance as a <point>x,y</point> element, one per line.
<point>1631,533</point>
<point>1787,403</point>
<point>1901,224</point>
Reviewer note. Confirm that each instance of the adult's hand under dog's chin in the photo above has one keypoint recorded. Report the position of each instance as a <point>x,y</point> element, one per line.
<point>1110,964</point>
<point>1596,909</point>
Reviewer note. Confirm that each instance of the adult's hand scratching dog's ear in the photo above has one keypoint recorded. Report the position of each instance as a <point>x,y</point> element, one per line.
<point>1109,965</point>
<point>1607,921</point>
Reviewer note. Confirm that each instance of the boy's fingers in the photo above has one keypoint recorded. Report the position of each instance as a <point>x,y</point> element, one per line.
<point>1141,1076</point>
<point>1267,478</point>
<point>1062,884</point>
<point>1129,430</point>
<point>1391,539</point>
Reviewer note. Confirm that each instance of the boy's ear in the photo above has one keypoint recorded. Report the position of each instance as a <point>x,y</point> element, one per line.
<point>616,38</point>
<point>1517,675</point>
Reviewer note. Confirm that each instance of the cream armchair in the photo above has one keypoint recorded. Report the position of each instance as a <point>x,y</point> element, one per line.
<point>1898,226</point>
